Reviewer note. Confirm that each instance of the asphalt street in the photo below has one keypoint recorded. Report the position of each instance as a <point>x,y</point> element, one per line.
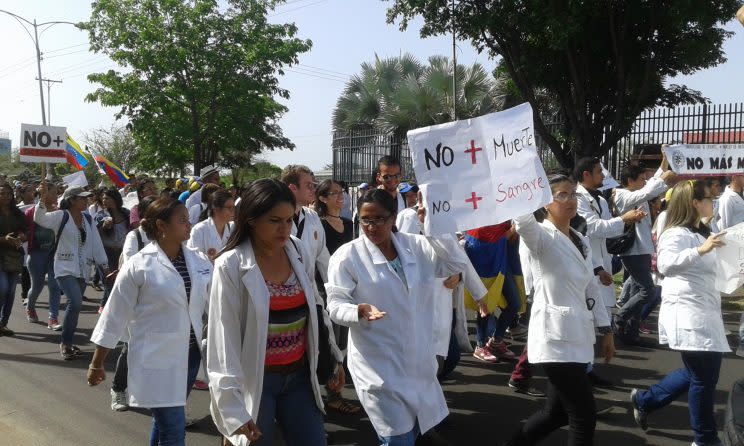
<point>45,400</point>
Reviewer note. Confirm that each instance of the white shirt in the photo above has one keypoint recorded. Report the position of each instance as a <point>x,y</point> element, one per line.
<point>730,209</point>
<point>407,221</point>
<point>73,258</point>
<point>346,209</point>
<point>237,333</point>
<point>149,302</point>
<point>626,200</point>
<point>131,244</point>
<point>313,236</point>
<point>690,314</point>
<point>194,198</point>
<point>561,327</point>
<point>194,213</point>
<point>206,239</point>
<point>391,360</point>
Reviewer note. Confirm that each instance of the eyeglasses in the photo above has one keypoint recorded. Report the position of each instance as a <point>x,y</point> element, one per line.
<point>391,177</point>
<point>311,185</point>
<point>334,194</point>
<point>564,198</point>
<point>374,221</point>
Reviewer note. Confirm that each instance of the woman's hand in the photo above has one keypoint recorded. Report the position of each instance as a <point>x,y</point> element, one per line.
<point>338,380</point>
<point>608,347</point>
<point>96,375</point>
<point>711,243</point>
<point>369,312</point>
<point>250,430</point>
<point>452,281</point>
<point>13,240</point>
<point>605,278</point>
<point>483,308</point>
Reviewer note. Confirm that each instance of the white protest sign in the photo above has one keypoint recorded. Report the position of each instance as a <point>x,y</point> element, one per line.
<point>730,273</point>
<point>609,181</point>
<point>75,179</point>
<point>706,159</point>
<point>478,172</point>
<point>43,144</point>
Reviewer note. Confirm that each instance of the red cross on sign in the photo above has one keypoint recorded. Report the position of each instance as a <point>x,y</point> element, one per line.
<point>472,151</point>
<point>474,199</point>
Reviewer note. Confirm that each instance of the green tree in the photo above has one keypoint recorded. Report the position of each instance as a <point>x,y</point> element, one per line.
<point>197,82</point>
<point>602,63</point>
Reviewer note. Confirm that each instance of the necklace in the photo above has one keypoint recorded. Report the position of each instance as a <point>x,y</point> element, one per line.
<point>334,216</point>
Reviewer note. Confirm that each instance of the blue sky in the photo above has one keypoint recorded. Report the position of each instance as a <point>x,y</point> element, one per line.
<point>345,33</point>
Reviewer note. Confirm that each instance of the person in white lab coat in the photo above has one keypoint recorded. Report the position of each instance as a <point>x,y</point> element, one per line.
<point>561,331</point>
<point>197,210</point>
<point>690,319</point>
<point>380,286</point>
<point>263,335</point>
<point>731,204</point>
<point>158,299</point>
<point>212,234</point>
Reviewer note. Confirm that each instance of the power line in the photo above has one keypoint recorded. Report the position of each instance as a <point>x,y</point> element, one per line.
<point>324,69</point>
<point>65,54</point>
<point>331,76</point>
<point>315,76</point>
<point>299,7</point>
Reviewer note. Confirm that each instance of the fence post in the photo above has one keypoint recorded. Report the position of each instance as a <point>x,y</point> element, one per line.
<point>704,135</point>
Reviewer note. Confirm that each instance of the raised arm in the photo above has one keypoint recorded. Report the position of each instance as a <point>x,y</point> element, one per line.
<point>532,233</point>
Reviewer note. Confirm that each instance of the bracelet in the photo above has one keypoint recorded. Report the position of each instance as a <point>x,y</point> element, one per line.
<point>90,367</point>
<point>604,330</point>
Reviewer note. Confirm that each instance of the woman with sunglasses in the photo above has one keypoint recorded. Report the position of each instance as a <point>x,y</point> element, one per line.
<point>78,247</point>
<point>563,319</point>
<point>380,286</point>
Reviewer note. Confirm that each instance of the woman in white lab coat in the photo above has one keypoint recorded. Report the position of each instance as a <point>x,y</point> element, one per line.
<point>263,335</point>
<point>211,235</point>
<point>380,286</point>
<point>563,319</point>
<point>158,298</point>
<point>690,316</point>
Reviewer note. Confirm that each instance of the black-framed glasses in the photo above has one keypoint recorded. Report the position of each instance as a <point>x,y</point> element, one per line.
<point>564,198</point>
<point>379,221</point>
<point>395,176</point>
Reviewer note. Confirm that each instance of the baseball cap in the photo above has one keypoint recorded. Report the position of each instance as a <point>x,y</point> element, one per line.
<point>404,188</point>
<point>363,186</point>
<point>76,191</point>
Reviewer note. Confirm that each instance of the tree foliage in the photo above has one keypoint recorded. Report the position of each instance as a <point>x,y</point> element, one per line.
<point>602,62</point>
<point>197,82</point>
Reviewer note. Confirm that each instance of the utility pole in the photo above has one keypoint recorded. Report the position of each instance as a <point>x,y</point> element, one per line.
<point>49,83</point>
<point>454,65</point>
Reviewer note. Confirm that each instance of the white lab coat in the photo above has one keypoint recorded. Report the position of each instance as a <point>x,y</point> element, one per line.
<point>561,327</point>
<point>600,225</point>
<point>407,221</point>
<point>149,302</point>
<point>131,244</point>
<point>195,212</point>
<point>71,259</point>
<point>237,333</point>
<point>194,198</point>
<point>690,315</point>
<point>206,239</point>
<point>391,360</point>
<point>525,263</point>
<point>314,238</point>
<point>626,200</point>
<point>730,209</point>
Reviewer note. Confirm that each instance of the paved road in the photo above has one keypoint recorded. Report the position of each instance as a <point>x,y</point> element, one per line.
<point>46,401</point>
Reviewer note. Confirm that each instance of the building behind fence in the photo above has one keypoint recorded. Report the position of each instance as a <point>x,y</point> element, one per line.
<point>355,154</point>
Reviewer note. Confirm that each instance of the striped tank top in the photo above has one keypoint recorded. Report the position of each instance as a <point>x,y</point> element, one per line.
<point>285,343</point>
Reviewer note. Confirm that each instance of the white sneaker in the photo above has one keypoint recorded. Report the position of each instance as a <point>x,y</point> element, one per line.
<point>119,401</point>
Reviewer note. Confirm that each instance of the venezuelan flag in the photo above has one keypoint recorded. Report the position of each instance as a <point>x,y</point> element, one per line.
<point>75,156</point>
<point>495,260</point>
<point>117,176</point>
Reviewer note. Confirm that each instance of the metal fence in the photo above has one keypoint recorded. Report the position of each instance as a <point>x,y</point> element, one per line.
<point>355,154</point>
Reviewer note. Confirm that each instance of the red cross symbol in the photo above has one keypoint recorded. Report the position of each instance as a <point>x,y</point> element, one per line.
<point>474,199</point>
<point>472,151</point>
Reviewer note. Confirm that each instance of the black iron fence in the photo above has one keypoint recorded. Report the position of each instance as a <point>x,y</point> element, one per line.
<point>355,154</point>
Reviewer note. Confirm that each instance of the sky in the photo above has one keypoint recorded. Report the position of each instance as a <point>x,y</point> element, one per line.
<point>345,33</point>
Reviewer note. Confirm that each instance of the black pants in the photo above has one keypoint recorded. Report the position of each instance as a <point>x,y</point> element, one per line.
<point>119,383</point>
<point>25,282</point>
<point>569,402</point>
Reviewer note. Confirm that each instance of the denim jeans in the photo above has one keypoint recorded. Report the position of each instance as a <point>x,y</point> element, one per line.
<point>169,423</point>
<point>639,268</point>
<point>8,282</point>
<point>497,328</point>
<point>73,287</point>
<point>652,304</point>
<point>40,266</point>
<point>407,439</point>
<point>698,378</point>
<point>289,400</point>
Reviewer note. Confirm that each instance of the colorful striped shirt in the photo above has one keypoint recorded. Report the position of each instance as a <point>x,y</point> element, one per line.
<point>286,337</point>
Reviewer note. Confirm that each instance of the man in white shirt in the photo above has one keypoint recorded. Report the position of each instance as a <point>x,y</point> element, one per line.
<point>635,194</point>
<point>388,177</point>
<point>209,174</point>
<point>731,204</point>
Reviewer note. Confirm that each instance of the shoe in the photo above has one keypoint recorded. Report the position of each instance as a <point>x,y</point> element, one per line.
<point>5,331</point>
<point>31,316</point>
<point>54,325</point>
<point>69,352</point>
<point>638,414</point>
<point>500,350</point>
<point>200,385</point>
<point>119,401</point>
<point>645,328</point>
<point>598,381</point>
<point>25,302</point>
<point>524,388</point>
<point>519,331</point>
<point>484,355</point>
<point>100,310</point>
<point>97,287</point>
<point>740,351</point>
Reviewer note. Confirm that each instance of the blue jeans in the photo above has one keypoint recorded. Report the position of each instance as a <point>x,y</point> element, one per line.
<point>289,400</point>
<point>41,265</point>
<point>73,287</point>
<point>497,328</point>
<point>642,285</point>
<point>698,378</point>
<point>8,282</point>
<point>407,439</point>
<point>652,304</point>
<point>169,423</point>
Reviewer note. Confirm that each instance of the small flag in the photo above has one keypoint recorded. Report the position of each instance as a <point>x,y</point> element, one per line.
<point>75,156</point>
<point>117,176</point>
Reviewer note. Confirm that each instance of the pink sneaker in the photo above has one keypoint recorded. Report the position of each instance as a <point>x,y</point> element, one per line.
<point>484,355</point>
<point>500,350</point>
<point>31,316</point>
<point>54,325</point>
<point>645,328</point>
<point>200,385</point>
